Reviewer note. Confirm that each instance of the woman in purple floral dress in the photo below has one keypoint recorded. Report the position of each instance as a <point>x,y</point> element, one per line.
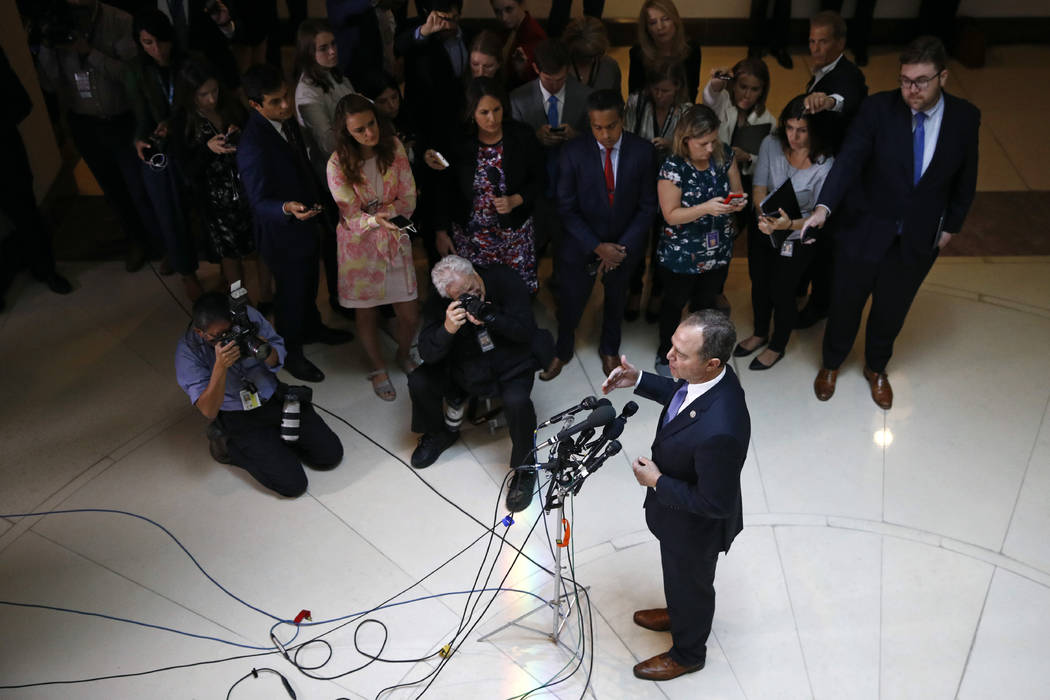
<point>493,179</point>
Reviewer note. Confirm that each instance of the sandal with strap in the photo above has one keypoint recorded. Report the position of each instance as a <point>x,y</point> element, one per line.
<point>384,389</point>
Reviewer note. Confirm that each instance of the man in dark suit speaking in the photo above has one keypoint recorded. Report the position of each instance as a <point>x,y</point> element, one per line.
<point>909,165</point>
<point>692,504</point>
<point>607,201</point>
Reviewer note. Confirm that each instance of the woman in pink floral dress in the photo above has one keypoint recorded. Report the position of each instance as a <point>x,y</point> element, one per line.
<point>371,181</point>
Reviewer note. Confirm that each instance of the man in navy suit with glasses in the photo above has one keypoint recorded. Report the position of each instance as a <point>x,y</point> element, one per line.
<point>904,179</point>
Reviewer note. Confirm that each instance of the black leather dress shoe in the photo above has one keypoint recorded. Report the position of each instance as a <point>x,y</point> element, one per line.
<point>56,283</point>
<point>430,447</point>
<point>217,444</point>
<point>519,493</point>
<point>301,368</point>
<point>784,58</point>
<point>331,336</point>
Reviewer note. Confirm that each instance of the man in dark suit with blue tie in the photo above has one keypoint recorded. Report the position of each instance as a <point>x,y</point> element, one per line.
<point>692,504</point>
<point>607,201</point>
<point>909,168</point>
<point>286,199</point>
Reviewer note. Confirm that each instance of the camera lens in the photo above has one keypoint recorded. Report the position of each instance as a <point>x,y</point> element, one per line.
<point>256,348</point>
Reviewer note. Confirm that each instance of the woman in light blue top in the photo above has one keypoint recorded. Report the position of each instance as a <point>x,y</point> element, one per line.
<point>801,152</point>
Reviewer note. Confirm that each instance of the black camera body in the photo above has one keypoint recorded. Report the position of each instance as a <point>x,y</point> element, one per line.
<point>484,311</point>
<point>243,330</point>
<point>157,145</point>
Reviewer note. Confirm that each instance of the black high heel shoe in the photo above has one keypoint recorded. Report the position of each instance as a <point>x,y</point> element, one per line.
<point>741,351</point>
<point>758,366</point>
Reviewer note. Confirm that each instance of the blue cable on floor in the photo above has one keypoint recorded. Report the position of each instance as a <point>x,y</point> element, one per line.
<point>279,620</point>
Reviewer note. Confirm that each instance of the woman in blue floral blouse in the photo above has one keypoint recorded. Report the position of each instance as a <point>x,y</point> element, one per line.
<point>697,240</point>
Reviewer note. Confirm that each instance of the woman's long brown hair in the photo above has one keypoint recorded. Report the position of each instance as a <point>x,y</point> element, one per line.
<point>349,150</point>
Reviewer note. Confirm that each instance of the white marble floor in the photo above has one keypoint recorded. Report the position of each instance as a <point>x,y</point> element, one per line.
<point>899,554</point>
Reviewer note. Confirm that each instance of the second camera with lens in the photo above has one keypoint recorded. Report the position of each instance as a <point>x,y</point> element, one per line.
<point>482,310</point>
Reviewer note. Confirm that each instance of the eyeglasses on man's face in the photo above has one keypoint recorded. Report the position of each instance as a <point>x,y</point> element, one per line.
<point>918,83</point>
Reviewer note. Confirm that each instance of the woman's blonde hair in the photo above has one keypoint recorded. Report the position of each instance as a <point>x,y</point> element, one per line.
<point>680,47</point>
<point>699,120</point>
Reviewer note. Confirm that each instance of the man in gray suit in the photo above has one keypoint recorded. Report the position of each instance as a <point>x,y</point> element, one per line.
<point>555,105</point>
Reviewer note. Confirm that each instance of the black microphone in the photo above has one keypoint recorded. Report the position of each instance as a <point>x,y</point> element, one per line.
<point>586,404</point>
<point>587,434</point>
<point>614,429</point>
<point>600,416</point>
<point>493,174</point>
<point>591,465</point>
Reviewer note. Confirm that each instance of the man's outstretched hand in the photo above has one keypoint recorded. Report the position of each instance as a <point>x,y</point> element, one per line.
<point>623,377</point>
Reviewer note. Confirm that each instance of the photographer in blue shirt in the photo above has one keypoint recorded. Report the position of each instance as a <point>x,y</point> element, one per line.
<point>227,362</point>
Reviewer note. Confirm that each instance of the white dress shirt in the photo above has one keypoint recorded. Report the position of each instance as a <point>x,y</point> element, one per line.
<point>560,96</point>
<point>820,73</point>
<point>932,128</point>
<point>694,391</point>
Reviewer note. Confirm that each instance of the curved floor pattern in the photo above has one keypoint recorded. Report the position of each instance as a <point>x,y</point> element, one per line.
<point>886,555</point>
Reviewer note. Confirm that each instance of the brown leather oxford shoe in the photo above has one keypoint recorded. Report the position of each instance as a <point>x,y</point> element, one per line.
<point>552,371</point>
<point>655,619</point>
<point>824,384</point>
<point>881,391</point>
<point>663,668</point>
<point>609,363</point>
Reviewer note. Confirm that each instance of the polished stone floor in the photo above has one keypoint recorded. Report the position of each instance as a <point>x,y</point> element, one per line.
<point>886,554</point>
<point>899,554</point>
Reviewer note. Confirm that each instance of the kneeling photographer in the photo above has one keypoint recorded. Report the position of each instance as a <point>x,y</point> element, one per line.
<point>478,339</point>
<point>227,363</point>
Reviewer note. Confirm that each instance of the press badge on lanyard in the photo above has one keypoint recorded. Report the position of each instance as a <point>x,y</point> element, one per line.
<point>788,249</point>
<point>485,340</point>
<point>711,241</point>
<point>83,81</point>
<point>250,397</point>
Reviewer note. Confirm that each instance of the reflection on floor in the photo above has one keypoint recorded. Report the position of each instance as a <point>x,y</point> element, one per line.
<point>886,554</point>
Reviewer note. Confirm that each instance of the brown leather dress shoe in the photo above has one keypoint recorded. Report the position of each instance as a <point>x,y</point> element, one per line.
<point>609,363</point>
<point>663,668</point>
<point>824,384</point>
<point>655,619</point>
<point>881,391</point>
<point>552,371</point>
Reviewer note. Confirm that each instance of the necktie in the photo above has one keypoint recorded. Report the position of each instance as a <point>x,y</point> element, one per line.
<point>178,20</point>
<point>552,111</point>
<point>918,144</point>
<point>610,180</point>
<point>291,132</point>
<point>676,403</point>
<point>809,85</point>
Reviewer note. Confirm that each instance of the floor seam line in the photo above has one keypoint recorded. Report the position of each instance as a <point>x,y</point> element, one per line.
<point>1024,476</point>
<point>794,616</point>
<point>976,631</point>
<point>145,587</point>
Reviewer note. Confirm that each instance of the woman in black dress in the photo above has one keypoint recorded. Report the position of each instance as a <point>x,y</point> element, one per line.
<point>212,119</point>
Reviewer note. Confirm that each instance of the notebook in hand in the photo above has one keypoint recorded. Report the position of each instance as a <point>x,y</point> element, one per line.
<point>782,198</point>
<point>749,137</point>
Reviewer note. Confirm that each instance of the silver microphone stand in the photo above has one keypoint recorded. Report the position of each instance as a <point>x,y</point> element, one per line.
<point>562,486</point>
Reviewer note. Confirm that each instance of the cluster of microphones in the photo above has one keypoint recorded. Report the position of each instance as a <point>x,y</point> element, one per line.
<point>578,450</point>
